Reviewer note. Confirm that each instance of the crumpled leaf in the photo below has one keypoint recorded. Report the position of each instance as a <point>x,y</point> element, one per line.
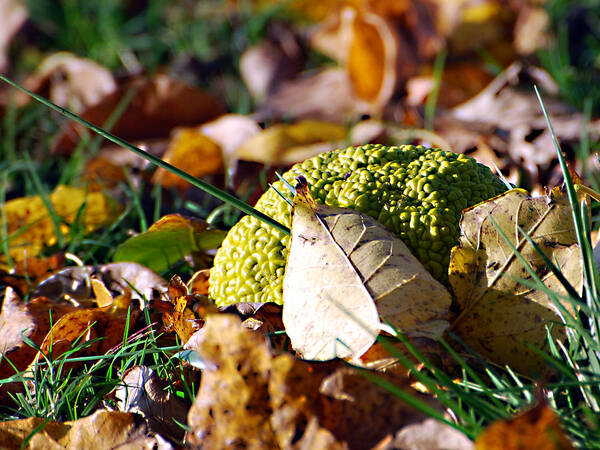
<point>103,430</point>
<point>537,428</point>
<point>159,104</point>
<point>251,398</point>
<point>359,40</point>
<point>167,241</point>
<point>143,392</point>
<point>506,117</point>
<point>192,151</point>
<point>497,312</point>
<point>30,227</point>
<point>288,143</point>
<point>344,271</point>
<point>180,317</point>
<point>73,283</point>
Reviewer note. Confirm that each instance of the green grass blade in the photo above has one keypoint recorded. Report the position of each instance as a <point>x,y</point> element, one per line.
<point>216,192</point>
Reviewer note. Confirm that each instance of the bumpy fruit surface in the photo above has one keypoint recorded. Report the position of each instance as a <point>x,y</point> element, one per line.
<point>416,192</point>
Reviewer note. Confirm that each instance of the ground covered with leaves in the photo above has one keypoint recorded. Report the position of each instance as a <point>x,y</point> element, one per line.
<point>113,329</point>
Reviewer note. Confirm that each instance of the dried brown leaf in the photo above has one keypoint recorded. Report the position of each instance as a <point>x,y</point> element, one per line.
<point>326,95</point>
<point>158,106</point>
<point>73,283</point>
<point>249,397</point>
<point>31,320</point>
<point>144,393</point>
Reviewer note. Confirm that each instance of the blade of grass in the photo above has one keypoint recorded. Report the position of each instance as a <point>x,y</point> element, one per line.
<point>45,196</point>
<point>216,192</point>
<point>579,226</point>
<point>438,70</point>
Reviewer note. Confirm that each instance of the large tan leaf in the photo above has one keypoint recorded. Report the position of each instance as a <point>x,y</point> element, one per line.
<point>344,271</point>
<point>498,313</point>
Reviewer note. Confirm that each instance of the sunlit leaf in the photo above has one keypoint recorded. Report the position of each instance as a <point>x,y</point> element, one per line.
<point>168,241</point>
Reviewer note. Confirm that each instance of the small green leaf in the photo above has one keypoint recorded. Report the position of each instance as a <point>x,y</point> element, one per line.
<point>168,241</point>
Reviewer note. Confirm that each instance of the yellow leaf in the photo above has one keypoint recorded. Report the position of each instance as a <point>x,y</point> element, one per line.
<point>498,314</point>
<point>288,143</point>
<point>29,224</point>
<point>344,271</point>
<point>192,151</point>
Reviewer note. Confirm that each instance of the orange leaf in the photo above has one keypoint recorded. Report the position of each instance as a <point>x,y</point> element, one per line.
<point>536,429</point>
<point>193,152</point>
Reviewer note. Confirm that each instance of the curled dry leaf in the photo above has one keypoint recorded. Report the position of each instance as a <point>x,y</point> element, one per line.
<point>344,271</point>
<point>498,314</point>
<point>30,227</point>
<point>144,393</point>
<point>537,428</point>
<point>103,430</point>
<point>506,116</point>
<point>181,317</point>
<point>253,399</point>
<point>286,144</point>
<point>168,240</point>
<point>368,46</point>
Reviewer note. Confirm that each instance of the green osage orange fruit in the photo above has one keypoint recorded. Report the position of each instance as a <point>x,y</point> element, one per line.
<point>417,192</point>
